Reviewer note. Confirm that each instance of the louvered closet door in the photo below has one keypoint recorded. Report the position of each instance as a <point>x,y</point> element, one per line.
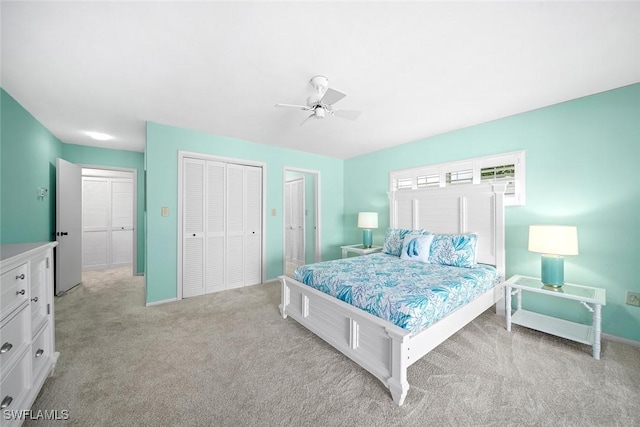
<point>215,213</point>
<point>95,223</point>
<point>235,226</point>
<point>193,222</point>
<point>253,225</point>
<point>121,222</point>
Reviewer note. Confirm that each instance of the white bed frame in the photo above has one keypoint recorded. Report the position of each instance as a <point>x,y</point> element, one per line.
<point>380,347</point>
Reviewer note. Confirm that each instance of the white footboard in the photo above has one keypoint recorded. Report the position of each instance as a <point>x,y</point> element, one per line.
<point>380,347</point>
<point>371,342</point>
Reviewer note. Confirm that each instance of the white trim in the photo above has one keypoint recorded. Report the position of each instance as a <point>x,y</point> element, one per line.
<point>94,170</point>
<point>164,301</point>
<point>622,340</point>
<point>203,156</point>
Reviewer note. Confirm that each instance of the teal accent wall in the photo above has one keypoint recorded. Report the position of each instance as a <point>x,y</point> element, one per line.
<point>581,163</point>
<point>93,156</point>
<point>161,160</point>
<point>28,153</point>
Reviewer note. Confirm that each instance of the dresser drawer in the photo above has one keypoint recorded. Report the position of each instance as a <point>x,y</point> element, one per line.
<point>14,338</point>
<point>40,354</point>
<point>14,285</point>
<point>15,385</point>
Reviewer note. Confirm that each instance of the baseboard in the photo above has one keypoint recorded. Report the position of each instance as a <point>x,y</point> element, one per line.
<point>164,301</point>
<point>620,339</point>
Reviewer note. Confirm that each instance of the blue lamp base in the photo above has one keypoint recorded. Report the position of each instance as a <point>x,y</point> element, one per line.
<point>552,270</point>
<point>367,238</point>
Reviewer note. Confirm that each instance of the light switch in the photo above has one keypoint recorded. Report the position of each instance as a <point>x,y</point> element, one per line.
<point>164,211</point>
<point>273,212</point>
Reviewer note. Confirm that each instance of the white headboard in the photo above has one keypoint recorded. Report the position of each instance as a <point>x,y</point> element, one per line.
<point>464,209</point>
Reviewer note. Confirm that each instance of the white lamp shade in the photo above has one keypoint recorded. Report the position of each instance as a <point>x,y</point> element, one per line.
<point>368,220</point>
<point>553,239</point>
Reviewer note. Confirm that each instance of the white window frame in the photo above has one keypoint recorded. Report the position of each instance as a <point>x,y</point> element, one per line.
<point>516,158</point>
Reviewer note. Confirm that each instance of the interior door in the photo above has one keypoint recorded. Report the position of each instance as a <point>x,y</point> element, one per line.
<point>253,225</point>
<point>297,222</point>
<point>95,223</point>
<point>193,218</point>
<point>121,244</point>
<point>68,225</point>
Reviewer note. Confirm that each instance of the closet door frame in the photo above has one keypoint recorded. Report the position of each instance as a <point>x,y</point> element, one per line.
<point>134,172</point>
<point>208,157</point>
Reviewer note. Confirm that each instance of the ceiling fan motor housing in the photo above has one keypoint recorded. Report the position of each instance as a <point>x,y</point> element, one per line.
<point>319,84</point>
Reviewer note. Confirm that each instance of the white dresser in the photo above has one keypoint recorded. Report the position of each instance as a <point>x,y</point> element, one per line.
<point>27,344</point>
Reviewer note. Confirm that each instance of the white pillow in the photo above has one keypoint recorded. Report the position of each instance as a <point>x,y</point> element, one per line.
<point>416,248</point>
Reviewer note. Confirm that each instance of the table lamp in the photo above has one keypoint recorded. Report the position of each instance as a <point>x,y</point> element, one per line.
<point>553,242</point>
<point>367,221</point>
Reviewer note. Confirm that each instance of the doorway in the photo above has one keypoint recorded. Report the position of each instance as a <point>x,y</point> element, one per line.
<point>301,218</point>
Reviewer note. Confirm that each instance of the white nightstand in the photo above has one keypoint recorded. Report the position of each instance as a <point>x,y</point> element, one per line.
<point>585,295</point>
<point>359,249</point>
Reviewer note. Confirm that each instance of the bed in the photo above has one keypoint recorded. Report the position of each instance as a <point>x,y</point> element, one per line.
<point>386,342</point>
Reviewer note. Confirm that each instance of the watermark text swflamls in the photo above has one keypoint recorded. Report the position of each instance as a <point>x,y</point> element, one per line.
<point>28,414</point>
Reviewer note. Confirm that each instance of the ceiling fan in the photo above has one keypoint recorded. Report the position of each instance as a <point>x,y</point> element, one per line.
<point>321,102</point>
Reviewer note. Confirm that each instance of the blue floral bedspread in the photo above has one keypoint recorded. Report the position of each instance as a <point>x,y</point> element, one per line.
<point>410,294</point>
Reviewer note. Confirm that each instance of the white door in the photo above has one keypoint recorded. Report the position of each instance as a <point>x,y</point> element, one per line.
<point>253,225</point>
<point>193,227</point>
<point>121,224</point>
<point>95,223</point>
<point>288,225</point>
<point>215,263</point>
<point>68,225</point>
<point>107,219</point>
<point>221,220</point>
<point>235,226</point>
<point>295,227</point>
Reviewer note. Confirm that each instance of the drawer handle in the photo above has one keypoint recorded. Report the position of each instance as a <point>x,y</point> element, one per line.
<point>20,277</point>
<point>40,352</point>
<point>6,402</point>
<point>21,292</point>
<point>34,299</point>
<point>6,347</point>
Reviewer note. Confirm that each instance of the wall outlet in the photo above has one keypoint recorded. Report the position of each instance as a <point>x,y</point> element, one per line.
<point>633,298</point>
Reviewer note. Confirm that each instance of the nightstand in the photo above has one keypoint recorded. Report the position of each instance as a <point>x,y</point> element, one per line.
<point>359,249</point>
<point>591,298</point>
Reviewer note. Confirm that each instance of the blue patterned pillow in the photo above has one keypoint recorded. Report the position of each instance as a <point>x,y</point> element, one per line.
<point>457,250</point>
<point>416,248</point>
<point>395,237</point>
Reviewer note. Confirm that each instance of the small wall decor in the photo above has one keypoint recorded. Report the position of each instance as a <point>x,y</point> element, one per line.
<point>41,193</point>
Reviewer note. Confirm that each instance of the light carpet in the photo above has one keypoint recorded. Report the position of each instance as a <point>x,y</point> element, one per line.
<point>229,359</point>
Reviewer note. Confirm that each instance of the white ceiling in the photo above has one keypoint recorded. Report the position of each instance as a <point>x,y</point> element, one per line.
<point>414,69</point>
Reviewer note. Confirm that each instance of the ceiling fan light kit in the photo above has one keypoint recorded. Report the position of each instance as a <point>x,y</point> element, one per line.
<point>321,103</point>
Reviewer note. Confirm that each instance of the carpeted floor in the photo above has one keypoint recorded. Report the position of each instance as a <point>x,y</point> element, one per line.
<point>229,359</point>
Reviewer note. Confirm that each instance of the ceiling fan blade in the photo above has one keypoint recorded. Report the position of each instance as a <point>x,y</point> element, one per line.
<point>347,114</point>
<point>305,120</point>
<point>332,96</point>
<point>299,107</point>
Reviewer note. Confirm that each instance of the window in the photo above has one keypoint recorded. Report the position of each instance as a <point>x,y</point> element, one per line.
<point>428,181</point>
<point>460,177</point>
<point>503,173</point>
<point>508,168</point>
